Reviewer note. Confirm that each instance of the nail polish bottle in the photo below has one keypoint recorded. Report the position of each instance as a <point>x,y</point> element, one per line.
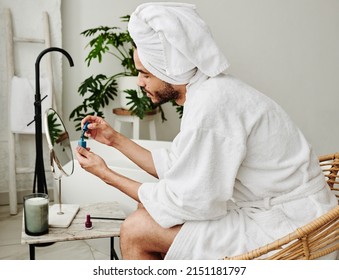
<point>82,142</point>
<point>88,223</point>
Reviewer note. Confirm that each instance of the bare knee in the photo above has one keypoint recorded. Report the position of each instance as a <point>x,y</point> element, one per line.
<point>132,227</point>
<point>133,235</point>
<point>142,238</point>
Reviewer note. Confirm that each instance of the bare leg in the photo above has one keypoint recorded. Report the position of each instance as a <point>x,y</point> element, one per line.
<point>141,238</point>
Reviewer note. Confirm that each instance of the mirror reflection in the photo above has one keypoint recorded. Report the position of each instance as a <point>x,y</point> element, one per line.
<point>59,142</point>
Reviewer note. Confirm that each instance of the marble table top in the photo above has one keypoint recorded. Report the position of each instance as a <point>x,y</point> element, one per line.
<point>76,231</point>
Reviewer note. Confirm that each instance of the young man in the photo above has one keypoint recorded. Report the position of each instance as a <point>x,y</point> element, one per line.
<point>239,173</point>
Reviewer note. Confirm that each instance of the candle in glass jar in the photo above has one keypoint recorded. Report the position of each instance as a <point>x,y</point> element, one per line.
<point>36,214</point>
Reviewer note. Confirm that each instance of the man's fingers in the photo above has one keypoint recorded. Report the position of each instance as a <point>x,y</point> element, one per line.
<point>82,151</point>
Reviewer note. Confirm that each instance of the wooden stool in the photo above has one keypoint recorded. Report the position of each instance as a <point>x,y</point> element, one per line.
<point>122,115</point>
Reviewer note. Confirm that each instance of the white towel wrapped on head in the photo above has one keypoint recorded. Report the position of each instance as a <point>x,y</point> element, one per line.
<point>21,111</point>
<point>173,42</point>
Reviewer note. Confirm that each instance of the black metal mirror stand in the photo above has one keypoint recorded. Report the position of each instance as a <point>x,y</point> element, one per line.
<point>39,176</point>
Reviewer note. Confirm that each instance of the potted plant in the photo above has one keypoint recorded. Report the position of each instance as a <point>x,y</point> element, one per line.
<point>99,90</point>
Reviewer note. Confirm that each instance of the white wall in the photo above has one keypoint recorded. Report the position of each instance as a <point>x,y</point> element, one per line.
<point>287,49</point>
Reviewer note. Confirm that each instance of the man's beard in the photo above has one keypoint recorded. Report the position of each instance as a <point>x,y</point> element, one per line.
<point>168,93</point>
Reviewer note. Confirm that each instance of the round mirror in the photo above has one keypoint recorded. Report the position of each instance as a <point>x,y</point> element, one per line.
<point>58,142</point>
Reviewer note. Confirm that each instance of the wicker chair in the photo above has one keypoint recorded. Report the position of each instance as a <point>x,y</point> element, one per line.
<point>312,241</point>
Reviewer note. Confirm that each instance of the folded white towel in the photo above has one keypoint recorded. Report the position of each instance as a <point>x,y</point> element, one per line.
<point>173,42</point>
<point>22,103</point>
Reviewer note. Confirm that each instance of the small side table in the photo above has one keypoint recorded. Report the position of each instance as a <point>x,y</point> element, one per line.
<point>122,115</point>
<point>106,218</point>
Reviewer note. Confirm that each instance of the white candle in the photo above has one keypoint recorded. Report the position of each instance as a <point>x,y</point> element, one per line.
<point>36,215</point>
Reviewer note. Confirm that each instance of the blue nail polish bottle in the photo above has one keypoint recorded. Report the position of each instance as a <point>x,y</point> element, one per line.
<point>82,142</point>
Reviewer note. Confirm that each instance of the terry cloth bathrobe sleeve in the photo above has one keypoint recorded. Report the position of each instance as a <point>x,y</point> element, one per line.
<point>193,184</point>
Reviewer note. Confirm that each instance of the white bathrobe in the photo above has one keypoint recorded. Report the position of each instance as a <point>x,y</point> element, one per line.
<point>239,175</point>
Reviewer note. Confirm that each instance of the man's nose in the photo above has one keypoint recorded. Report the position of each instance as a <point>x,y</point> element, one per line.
<point>140,81</point>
